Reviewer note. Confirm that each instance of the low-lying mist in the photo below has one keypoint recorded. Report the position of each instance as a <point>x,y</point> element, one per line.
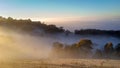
<point>108,24</point>
<point>18,45</point>
<point>15,45</point>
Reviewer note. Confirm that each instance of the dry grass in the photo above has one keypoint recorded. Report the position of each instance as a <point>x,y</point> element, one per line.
<point>61,63</point>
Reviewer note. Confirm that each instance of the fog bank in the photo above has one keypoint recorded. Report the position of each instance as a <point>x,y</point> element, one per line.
<point>108,24</point>
<point>18,45</point>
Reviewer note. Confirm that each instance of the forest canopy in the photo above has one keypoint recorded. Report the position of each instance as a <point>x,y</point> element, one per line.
<point>30,26</point>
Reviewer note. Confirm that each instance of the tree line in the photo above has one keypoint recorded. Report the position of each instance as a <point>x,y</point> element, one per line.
<point>31,26</point>
<point>83,49</point>
<point>28,25</point>
<point>115,33</point>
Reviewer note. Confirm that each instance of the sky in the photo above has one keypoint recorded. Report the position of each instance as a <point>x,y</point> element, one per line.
<point>60,10</point>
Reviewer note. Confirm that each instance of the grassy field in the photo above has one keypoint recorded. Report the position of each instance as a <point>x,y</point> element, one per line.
<point>61,63</point>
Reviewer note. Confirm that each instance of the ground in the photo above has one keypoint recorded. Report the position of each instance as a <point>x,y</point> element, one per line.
<point>61,63</point>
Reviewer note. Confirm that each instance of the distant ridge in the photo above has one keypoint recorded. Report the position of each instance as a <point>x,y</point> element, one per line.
<point>32,26</point>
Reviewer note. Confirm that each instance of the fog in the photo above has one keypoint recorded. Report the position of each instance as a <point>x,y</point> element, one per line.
<point>18,45</point>
<point>107,24</point>
<point>15,45</point>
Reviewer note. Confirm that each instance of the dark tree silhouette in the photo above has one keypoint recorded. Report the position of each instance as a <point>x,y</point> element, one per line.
<point>108,47</point>
<point>98,32</point>
<point>28,25</point>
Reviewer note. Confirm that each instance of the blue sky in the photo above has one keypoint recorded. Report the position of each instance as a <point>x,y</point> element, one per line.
<point>50,9</point>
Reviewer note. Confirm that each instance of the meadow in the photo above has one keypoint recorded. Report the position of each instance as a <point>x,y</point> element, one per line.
<point>61,63</point>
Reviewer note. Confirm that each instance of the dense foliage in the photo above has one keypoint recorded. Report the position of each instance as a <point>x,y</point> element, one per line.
<point>83,49</point>
<point>29,26</point>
